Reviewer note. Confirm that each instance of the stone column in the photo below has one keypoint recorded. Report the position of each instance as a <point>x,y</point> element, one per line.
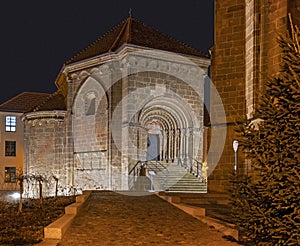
<point>171,146</point>
<point>174,144</point>
<point>160,138</point>
<point>179,154</point>
<point>164,145</point>
<point>190,139</point>
<point>184,146</point>
<point>168,146</point>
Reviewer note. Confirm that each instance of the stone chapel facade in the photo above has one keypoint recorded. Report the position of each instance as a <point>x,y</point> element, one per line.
<point>133,95</point>
<point>136,94</point>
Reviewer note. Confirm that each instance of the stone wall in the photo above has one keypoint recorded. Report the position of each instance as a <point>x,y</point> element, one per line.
<point>45,150</point>
<point>245,54</point>
<point>228,75</point>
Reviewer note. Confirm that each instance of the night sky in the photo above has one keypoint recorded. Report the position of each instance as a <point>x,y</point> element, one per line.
<point>37,37</point>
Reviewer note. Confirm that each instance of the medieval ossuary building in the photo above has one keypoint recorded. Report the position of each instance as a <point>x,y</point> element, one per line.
<point>137,98</point>
<point>134,95</point>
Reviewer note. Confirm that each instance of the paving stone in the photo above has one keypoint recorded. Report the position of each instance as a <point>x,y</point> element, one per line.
<point>109,218</point>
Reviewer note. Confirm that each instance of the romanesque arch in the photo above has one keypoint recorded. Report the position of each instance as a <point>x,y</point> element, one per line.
<point>90,135</point>
<point>175,126</point>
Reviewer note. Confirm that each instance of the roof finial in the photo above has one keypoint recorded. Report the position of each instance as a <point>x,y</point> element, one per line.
<point>130,10</point>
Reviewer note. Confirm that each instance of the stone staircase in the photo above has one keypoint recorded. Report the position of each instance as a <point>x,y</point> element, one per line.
<point>174,178</point>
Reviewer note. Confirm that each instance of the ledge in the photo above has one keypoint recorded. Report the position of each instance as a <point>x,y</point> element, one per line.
<point>200,214</point>
<point>58,228</point>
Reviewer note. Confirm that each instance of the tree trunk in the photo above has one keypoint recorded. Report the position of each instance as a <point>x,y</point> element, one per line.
<point>21,192</point>
<point>41,191</point>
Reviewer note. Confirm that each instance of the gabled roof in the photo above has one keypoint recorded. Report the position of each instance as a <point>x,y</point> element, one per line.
<point>24,102</point>
<point>132,31</point>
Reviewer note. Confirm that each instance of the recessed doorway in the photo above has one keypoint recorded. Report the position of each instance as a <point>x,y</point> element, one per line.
<point>153,147</point>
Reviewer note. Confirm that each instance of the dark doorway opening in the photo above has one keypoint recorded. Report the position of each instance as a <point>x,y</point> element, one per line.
<point>153,147</point>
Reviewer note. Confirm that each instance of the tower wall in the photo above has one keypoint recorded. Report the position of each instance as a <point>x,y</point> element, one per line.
<point>228,75</point>
<point>245,54</point>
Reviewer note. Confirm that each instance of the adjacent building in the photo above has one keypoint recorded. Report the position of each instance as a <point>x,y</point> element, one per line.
<point>12,136</point>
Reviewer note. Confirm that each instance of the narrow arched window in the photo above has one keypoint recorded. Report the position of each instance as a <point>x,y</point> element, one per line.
<point>90,103</point>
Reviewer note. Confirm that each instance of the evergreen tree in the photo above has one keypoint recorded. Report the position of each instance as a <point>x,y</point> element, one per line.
<point>267,206</point>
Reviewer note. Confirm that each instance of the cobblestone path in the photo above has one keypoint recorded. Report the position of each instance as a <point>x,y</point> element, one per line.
<point>109,218</point>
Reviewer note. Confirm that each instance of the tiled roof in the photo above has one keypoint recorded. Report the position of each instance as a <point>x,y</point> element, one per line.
<point>132,31</point>
<point>24,102</point>
<point>55,101</point>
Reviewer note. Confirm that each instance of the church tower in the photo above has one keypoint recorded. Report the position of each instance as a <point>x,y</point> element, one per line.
<point>245,54</point>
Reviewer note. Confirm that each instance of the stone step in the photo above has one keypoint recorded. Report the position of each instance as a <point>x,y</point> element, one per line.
<point>215,195</point>
<point>179,187</point>
<point>188,184</point>
<point>195,191</point>
<point>176,179</point>
<point>179,179</point>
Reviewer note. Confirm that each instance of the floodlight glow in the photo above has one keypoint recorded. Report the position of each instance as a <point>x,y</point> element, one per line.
<point>15,195</point>
<point>152,173</point>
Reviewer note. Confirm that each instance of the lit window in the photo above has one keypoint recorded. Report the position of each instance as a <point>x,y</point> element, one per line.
<point>10,148</point>
<point>10,123</point>
<point>10,175</point>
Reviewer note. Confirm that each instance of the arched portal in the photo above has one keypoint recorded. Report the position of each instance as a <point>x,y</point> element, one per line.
<point>169,131</point>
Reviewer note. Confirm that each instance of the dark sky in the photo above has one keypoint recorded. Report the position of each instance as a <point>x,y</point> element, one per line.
<point>37,36</point>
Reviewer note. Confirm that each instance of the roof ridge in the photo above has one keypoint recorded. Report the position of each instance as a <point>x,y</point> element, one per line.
<point>127,31</point>
<point>126,25</point>
<point>23,102</point>
<point>171,37</point>
<point>20,94</point>
<point>97,40</point>
<point>36,108</point>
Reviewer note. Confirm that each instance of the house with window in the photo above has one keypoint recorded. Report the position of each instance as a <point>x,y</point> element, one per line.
<point>12,136</point>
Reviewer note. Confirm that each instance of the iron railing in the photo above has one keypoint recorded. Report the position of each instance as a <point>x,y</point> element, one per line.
<point>155,166</point>
<point>196,169</point>
<point>192,166</point>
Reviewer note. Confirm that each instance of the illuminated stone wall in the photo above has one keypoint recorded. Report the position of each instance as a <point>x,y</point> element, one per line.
<point>245,54</point>
<point>44,143</point>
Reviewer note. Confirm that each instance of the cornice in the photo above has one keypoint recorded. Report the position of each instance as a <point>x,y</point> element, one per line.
<point>129,49</point>
<point>57,114</point>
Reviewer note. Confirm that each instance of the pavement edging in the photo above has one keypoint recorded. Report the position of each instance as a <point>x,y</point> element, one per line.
<point>200,214</point>
<point>57,229</point>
